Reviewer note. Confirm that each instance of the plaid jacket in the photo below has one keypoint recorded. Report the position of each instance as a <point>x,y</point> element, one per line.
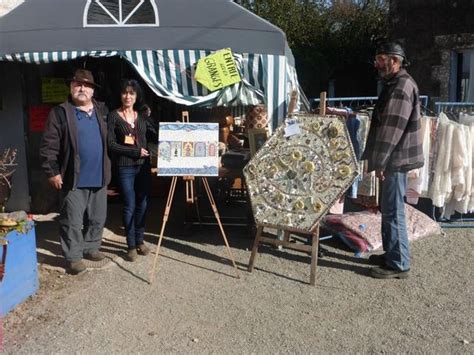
<point>395,142</point>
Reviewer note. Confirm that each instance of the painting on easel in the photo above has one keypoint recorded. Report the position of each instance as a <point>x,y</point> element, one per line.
<point>186,149</point>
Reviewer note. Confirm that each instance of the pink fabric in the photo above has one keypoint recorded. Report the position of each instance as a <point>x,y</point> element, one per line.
<point>353,240</point>
<point>338,207</point>
<point>366,226</point>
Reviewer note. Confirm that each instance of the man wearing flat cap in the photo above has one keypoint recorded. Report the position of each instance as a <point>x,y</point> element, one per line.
<point>74,157</point>
<point>394,147</point>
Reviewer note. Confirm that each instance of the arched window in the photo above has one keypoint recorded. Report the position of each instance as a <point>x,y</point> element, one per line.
<point>120,13</point>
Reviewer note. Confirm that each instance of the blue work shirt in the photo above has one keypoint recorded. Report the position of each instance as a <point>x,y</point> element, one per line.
<point>91,151</point>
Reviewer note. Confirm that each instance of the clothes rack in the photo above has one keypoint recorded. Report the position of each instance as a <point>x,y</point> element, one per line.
<point>453,106</point>
<point>357,101</point>
<point>456,107</point>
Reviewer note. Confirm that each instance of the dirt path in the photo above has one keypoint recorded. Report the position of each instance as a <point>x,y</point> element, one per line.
<point>196,305</point>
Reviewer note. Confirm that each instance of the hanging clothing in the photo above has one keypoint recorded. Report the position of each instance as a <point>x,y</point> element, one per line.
<point>367,184</point>
<point>353,125</point>
<point>466,118</point>
<point>442,175</point>
<point>418,179</point>
<point>461,171</point>
<point>452,185</point>
<point>470,205</point>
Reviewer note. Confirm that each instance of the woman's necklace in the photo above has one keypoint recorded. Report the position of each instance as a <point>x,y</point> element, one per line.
<point>130,120</point>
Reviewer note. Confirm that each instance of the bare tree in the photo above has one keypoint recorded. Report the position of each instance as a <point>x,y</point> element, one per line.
<point>7,168</point>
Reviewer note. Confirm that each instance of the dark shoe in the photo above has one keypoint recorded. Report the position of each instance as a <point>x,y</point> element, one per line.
<point>142,249</point>
<point>94,256</point>
<point>385,272</point>
<point>76,267</point>
<point>131,255</point>
<point>377,259</point>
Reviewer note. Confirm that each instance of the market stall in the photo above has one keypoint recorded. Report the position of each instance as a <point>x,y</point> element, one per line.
<point>162,43</point>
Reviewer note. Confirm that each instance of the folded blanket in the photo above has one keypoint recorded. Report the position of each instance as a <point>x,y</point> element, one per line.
<point>361,231</point>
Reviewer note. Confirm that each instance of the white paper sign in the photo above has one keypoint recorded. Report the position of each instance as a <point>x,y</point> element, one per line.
<point>292,128</point>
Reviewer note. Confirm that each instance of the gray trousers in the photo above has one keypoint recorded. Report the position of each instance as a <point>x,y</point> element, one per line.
<point>81,222</point>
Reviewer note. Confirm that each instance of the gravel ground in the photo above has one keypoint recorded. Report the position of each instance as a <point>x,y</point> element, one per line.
<point>196,305</point>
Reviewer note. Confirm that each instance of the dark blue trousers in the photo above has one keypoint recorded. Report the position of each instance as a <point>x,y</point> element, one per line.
<point>135,184</point>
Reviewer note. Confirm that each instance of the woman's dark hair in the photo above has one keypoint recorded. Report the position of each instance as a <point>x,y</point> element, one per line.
<point>136,88</point>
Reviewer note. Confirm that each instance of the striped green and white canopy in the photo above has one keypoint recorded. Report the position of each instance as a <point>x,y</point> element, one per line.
<point>266,78</point>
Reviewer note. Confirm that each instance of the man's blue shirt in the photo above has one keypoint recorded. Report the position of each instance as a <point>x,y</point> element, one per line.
<point>91,150</point>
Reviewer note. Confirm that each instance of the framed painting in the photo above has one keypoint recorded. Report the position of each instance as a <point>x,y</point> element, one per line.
<point>188,149</point>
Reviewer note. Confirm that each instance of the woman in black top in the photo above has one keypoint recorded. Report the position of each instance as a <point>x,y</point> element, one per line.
<point>128,138</point>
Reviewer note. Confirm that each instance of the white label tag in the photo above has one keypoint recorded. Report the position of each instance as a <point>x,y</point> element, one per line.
<point>292,128</point>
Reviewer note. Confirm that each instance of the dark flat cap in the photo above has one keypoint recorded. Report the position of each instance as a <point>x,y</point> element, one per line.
<point>392,48</point>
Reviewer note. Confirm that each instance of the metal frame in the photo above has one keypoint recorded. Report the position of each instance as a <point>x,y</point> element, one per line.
<point>423,98</point>
<point>439,105</point>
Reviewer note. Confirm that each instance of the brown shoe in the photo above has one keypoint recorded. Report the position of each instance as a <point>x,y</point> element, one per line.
<point>76,267</point>
<point>131,255</point>
<point>143,249</point>
<point>94,256</point>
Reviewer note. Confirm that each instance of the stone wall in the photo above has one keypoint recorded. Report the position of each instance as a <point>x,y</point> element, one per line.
<point>433,32</point>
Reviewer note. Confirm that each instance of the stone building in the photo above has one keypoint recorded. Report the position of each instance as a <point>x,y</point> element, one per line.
<point>438,36</point>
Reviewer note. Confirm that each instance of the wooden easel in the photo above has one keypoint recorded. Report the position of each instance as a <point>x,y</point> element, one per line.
<point>311,249</point>
<point>322,103</point>
<point>293,101</point>
<point>189,180</point>
<point>287,231</point>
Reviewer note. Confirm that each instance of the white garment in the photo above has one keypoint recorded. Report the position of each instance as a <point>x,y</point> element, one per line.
<point>453,180</point>
<point>435,193</point>
<point>470,205</point>
<point>418,179</point>
<point>465,118</point>
<point>460,170</point>
<point>463,203</point>
<point>440,187</point>
<point>458,160</point>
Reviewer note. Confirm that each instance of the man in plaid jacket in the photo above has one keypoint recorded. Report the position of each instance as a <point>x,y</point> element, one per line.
<point>393,148</point>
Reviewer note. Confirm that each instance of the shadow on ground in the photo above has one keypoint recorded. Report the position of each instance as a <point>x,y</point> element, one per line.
<point>180,235</point>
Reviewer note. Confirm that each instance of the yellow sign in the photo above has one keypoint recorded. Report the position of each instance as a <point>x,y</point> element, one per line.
<point>53,90</point>
<point>217,70</point>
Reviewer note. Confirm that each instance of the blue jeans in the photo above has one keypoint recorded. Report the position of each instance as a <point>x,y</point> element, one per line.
<point>135,184</point>
<point>394,229</point>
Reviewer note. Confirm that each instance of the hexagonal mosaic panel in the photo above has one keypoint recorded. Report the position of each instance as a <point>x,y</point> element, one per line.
<point>294,181</point>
